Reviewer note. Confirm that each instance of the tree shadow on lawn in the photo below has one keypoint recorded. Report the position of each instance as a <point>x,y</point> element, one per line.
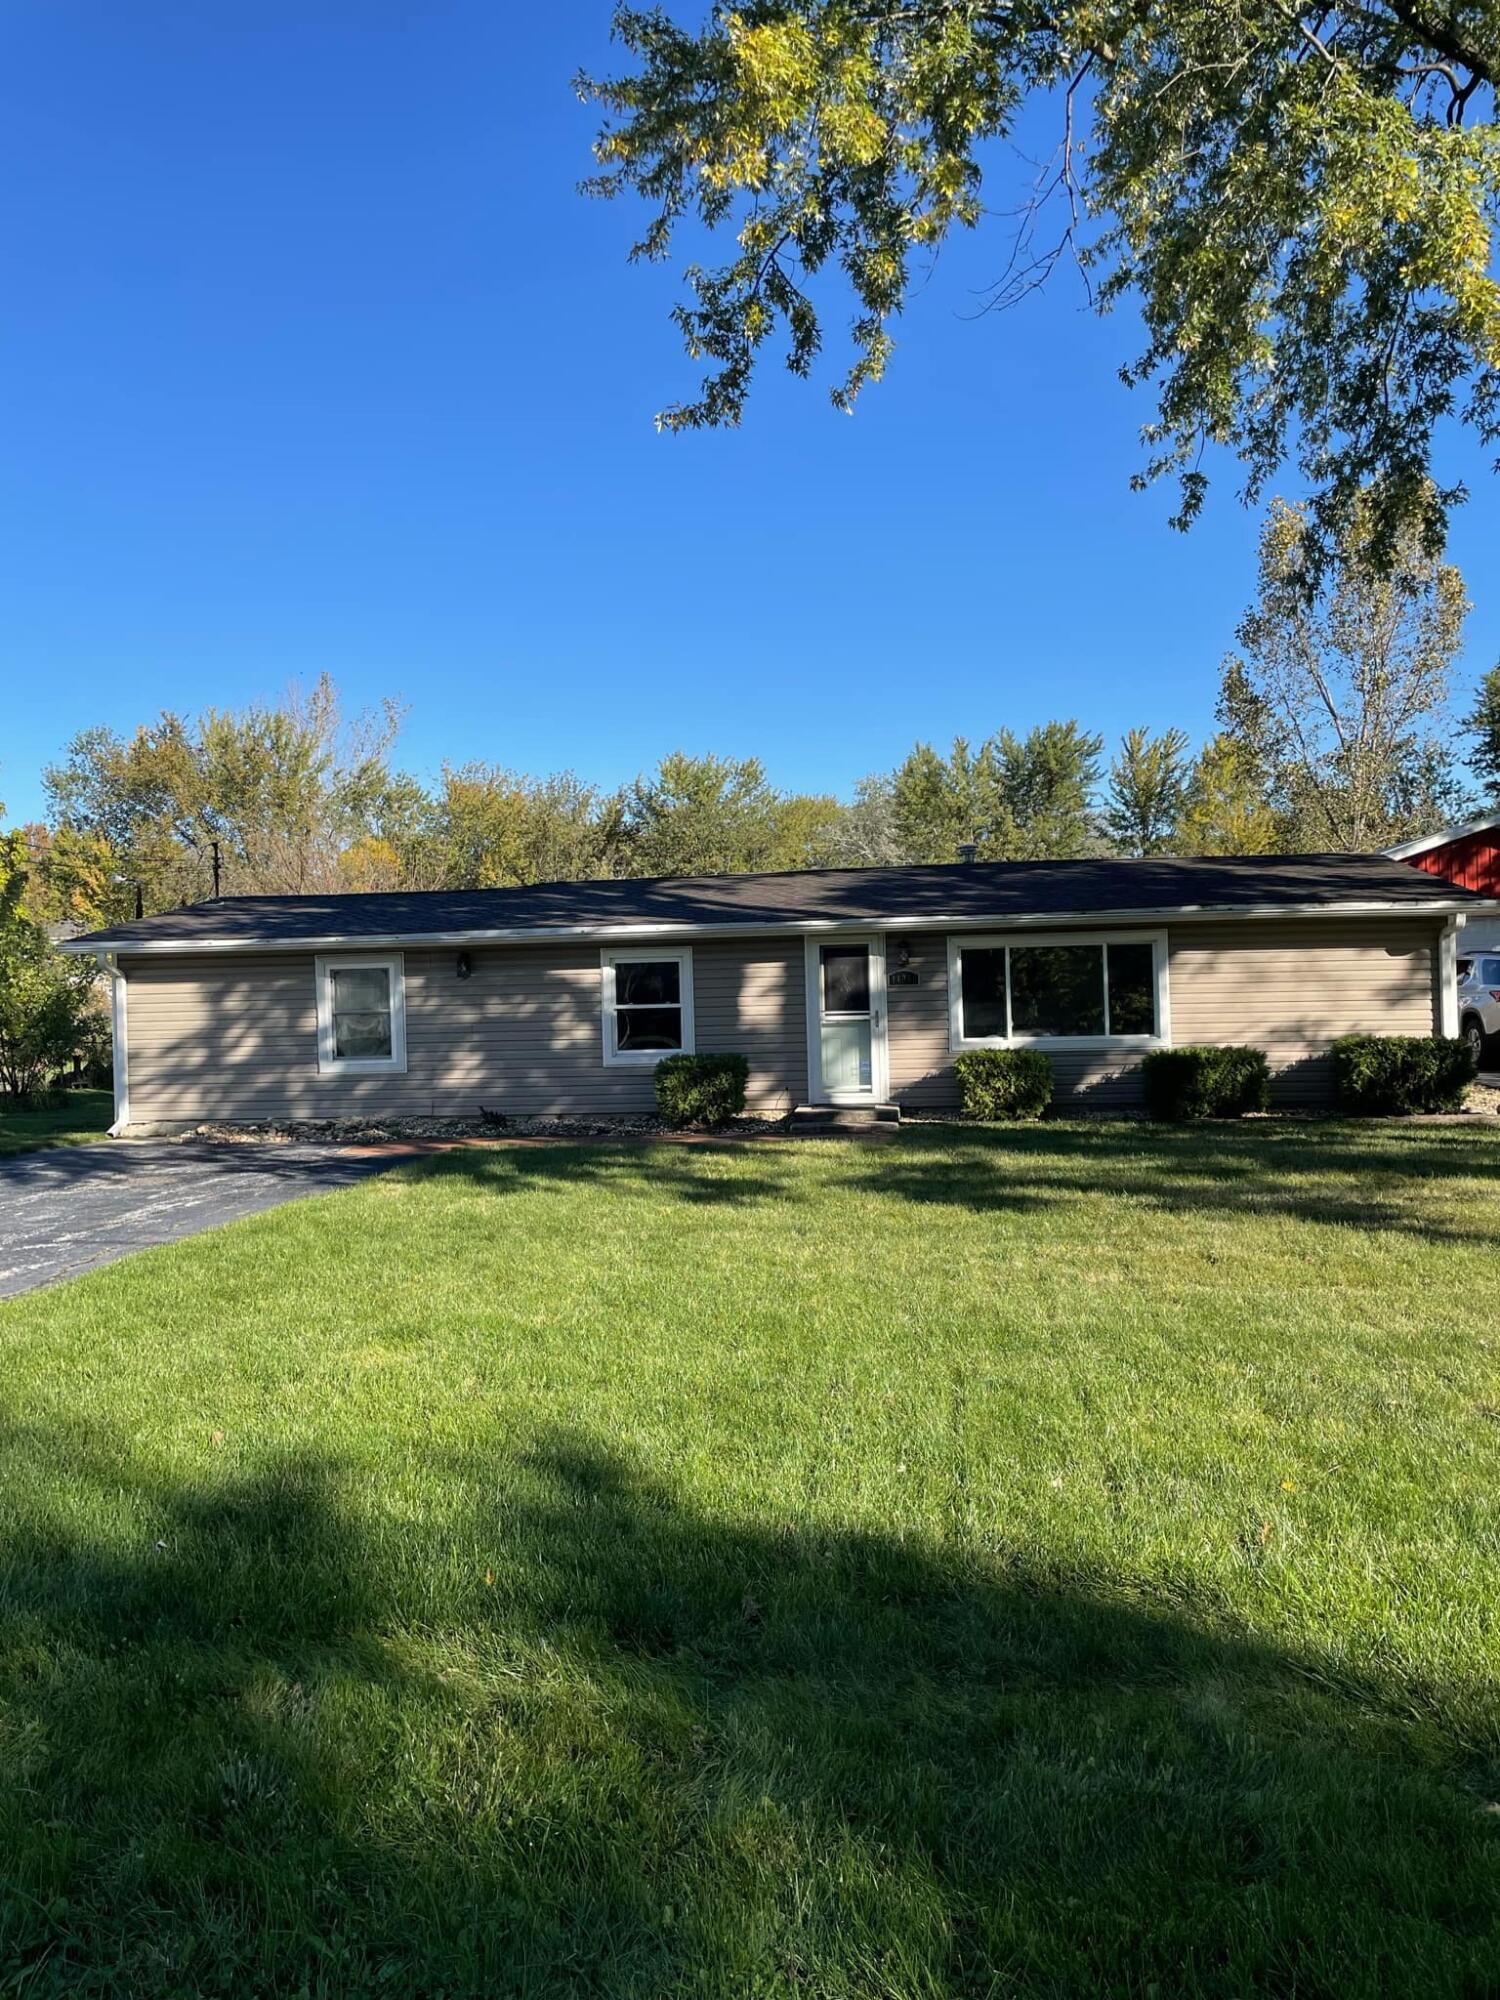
<point>566,1734</point>
<point>686,1173</point>
<point>1329,1174</point>
<point>1333,1175</point>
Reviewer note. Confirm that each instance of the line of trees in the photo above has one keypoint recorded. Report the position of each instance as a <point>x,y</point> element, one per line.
<point>1336,732</point>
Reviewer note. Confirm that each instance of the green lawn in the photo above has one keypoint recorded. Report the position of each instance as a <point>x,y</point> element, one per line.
<point>78,1116</point>
<point>1054,1563</point>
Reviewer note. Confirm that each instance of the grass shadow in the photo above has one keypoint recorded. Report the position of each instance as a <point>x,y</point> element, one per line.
<point>1332,1175</point>
<point>1374,1178</point>
<point>556,1731</point>
<point>703,1175</point>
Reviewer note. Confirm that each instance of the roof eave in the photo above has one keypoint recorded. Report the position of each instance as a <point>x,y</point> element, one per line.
<point>1425,843</point>
<point>1445,906</point>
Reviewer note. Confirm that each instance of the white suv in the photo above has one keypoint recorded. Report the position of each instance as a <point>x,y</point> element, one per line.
<point>1479,1002</point>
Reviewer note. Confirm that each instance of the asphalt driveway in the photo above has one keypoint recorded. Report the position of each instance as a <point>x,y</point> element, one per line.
<point>66,1210</point>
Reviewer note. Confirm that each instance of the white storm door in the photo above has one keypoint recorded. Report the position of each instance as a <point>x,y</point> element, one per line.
<point>846,1020</point>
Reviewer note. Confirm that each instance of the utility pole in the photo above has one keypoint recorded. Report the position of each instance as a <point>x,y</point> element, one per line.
<point>215,847</point>
<point>133,882</point>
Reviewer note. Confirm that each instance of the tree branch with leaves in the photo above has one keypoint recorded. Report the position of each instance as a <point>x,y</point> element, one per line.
<point>1301,201</point>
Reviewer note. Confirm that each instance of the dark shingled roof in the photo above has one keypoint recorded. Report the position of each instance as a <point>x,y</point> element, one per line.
<point>983,892</point>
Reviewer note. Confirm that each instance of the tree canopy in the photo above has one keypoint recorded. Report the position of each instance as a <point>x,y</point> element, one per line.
<point>1484,722</point>
<point>1342,703</point>
<point>282,788</point>
<point>1300,199</point>
<point>1015,798</point>
<point>1148,787</point>
<point>48,1014</point>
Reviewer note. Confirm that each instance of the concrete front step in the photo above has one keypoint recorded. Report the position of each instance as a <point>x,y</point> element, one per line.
<point>844,1117</point>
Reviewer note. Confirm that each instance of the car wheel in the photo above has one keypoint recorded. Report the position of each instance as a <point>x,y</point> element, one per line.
<point>1473,1033</point>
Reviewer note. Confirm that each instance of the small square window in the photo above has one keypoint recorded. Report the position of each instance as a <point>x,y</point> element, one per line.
<point>361,1015</point>
<point>647,1005</point>
<point>359,1001</point>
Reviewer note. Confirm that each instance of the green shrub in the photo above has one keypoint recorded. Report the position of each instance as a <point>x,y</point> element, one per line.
<point>1205,1081</point>
<point>48,1013</point>
<point>701,1090</point>
<point>1377,1075</point>
<point>1004,1083</point>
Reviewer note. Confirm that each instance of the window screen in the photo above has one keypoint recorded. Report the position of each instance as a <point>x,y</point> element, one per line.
<point>360,1004</point>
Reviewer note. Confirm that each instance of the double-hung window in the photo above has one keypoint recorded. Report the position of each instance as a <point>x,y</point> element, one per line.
<point>648,1005</point>
<point>361,1015</point>
<point>1102,989</point>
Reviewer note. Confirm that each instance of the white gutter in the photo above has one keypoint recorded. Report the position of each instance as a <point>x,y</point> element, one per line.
<point>1205,913</point>
<point>120,1041</point>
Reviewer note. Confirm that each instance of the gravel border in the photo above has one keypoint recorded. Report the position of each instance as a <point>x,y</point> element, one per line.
<point>1483,1103</point>
<point>398,1131</point>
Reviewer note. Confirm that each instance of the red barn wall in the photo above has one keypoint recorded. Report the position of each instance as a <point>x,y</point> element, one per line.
<point>1472,862</point>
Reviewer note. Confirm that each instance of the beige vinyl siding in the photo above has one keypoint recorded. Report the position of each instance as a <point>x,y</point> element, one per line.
<point>1289,988</point>
<point>235,1038</point>
<point>525,1033</point>
<point>917,1026</point>
<point>1293,988</point>
<point>750,998</point>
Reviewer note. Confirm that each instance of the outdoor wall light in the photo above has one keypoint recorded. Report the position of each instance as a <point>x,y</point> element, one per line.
<point>901,947</point>
<point>464,965</point>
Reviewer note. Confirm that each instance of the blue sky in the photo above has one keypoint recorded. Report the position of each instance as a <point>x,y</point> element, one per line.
<point>311,358</point>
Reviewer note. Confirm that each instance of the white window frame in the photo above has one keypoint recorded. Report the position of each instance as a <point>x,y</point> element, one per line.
<point>394,964</point>
<point>1018,940</point>
<point>682,957</point>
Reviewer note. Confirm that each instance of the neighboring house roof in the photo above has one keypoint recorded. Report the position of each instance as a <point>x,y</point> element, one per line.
<point>977,893</point>
<point>1446,837</point>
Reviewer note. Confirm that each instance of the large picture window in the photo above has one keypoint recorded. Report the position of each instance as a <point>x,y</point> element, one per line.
<point>648,1005</point>
<point>361,1015</point>
<point>1097,989</point>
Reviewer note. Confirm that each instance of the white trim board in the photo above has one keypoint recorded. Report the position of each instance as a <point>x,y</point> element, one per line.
<point>1447,975</point>
<point>119,1035</point>
<point>1449,835</point>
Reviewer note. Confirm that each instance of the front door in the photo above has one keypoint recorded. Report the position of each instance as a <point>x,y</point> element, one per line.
<point>846,1010</point>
